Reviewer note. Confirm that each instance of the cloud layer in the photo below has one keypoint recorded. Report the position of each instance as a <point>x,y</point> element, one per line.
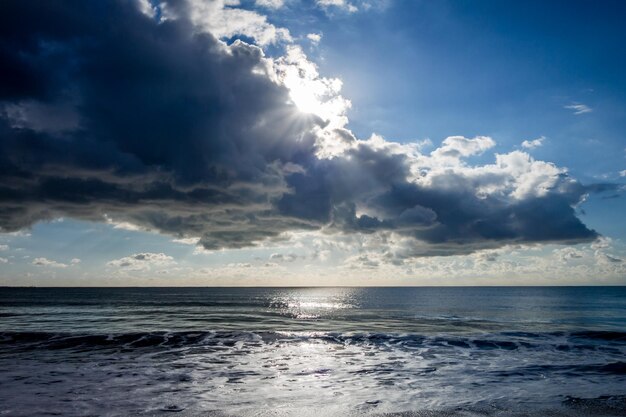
<point>142,117</point>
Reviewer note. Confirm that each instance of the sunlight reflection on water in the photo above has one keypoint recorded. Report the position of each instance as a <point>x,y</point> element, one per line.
<point>315,303</point>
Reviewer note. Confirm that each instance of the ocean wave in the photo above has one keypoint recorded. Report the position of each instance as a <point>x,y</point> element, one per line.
<point>365,373</point>
<point>558,341</point>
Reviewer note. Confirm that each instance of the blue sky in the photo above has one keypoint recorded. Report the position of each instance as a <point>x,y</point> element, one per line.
<point>360,149</point>
<point>508,70</point>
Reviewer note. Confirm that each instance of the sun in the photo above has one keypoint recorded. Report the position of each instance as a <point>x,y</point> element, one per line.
<point>306,98</point>
<point>310,92</point>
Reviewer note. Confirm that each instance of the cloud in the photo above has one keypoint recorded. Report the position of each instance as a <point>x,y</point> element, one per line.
<point>48,263</point>
<point>601,243</point>
<point>187,240</point>
<point>339,4</point>
<point>568,254</point>
<point>622,173</point>
<point>147,8</point>
<point>579,108</point>
<point>370,261</point>
<point>317,96</point>
<point>180,133</point>
<point>239,265</point>
<point>122,225</point>
<point>224,21</point>
<point>279,257</point>
<point>142,261</point>
<point>4,247</point>
<point>42,117</point>
<point>16,234</point>
<point>3,260</point>
<point>315,38</point>
<point>330,6</point>
<point>532,144</point>
<point>456,147</point>
<point>205,153</point>
<point>608,258</point>
<point>439,199</point>
<point>270,4</point>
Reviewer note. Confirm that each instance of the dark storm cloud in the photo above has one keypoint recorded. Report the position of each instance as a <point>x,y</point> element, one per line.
<point>452,218</point>
<point>106,113</point>
<point>174,131</point>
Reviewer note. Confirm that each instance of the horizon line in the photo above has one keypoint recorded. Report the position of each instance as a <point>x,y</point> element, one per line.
<point>320,286</point>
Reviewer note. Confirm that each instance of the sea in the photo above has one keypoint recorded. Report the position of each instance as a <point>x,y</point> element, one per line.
<point>434,351</point>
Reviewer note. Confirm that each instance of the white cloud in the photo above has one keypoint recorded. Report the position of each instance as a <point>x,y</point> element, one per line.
<point>223,20</point>
<point>3,260</point>
<point>529,178</point>
<point>600,247</point>
<point>142,261</point>
<point>147,8</point>
<point>579,108</point>
<point>622,173</point>
<point>187,240</point>
<point>424,143</point>
<point>201,250</point>
<point>340,4</point>
<point>316,95</point>
<point>601,243</point>
<point>455,147</point>
<point>606,258</point>
<point>568,254</point>
<point>532,144</point>
<point>123,225</point>
<point>525,264</point>
<point>270,4</point>
<point>239,265</point>
<point>4,247</point>
<point>279,257</point>
<point>48,263</point>
<point>18,233</point>
<point>315,38</point>
<point>75,261</point>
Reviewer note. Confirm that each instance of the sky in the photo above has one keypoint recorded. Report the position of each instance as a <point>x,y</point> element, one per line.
<point>319,142</point>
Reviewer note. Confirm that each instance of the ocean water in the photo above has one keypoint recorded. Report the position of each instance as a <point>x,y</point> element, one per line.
<point>313,351</point>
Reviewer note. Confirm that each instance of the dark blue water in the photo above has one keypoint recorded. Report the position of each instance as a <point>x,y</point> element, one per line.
<point>313,351</point>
